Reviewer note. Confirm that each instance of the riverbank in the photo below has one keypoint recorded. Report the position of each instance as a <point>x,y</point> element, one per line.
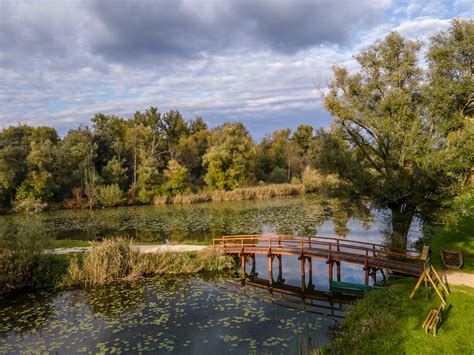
<point>459,237</point>
<point>386,321</point>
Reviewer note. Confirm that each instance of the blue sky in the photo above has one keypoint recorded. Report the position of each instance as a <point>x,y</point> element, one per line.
<point>258,62</point>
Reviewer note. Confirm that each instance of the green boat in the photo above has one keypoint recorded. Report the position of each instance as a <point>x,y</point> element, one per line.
<point>349,287</point>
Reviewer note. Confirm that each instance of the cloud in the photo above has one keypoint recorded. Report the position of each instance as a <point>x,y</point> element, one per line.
<point>256,61</point>
<point>133,31</point>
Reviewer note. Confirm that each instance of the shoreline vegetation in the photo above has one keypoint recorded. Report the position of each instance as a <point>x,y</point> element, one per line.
<point>387,320</point>
<point>112,260</point>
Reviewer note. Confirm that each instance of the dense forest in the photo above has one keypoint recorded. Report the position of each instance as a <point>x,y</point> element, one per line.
<point>137,159</point>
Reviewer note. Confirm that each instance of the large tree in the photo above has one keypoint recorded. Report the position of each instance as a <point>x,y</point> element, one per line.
<point>402,134</point>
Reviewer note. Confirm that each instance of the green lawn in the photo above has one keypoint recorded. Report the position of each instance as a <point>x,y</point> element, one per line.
<point>460,237</point>
<point>385,321</point>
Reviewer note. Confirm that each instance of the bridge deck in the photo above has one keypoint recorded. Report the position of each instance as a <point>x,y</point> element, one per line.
<point>331,249</point>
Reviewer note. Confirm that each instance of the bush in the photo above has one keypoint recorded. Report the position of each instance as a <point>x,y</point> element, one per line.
<point>110,195</point>
<point>312,180</point>
<point>77,200</point>
<point>29,205</point>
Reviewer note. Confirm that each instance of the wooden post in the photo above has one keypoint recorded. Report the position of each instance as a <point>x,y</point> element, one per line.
<point>242,259</point>
<point>303,281</point>
<point>280,265</point>
<point>366,269</point>
<point>253,264</point>
<point>310,270</point>
<point>270,269</point>
<point>330,270</point>
<point>338,270</point>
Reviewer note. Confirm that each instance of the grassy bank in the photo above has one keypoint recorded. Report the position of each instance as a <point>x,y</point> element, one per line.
<point>460,237</point>
<point>385,321</point>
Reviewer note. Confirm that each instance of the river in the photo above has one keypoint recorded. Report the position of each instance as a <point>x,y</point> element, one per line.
<point>190,314</point>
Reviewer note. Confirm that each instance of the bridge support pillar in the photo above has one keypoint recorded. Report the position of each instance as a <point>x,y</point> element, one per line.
<point>330,269</point>
<point>253,264</point>
<point>242,260</point>
<point>310,271</point>
<point>303,278</point>
<point>366,269</point>
<point>338,270</point>
<point>270,269</point>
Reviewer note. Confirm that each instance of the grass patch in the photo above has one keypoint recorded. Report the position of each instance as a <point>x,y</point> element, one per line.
<point>116,260</point>
<point>385,321</point>
<point>460,236</point>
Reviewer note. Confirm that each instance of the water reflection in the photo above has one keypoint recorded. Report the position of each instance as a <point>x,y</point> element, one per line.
<point>301,215</point>
<point>184,315</point>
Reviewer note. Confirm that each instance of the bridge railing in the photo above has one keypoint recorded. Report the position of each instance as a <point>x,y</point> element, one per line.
<point>312,242</point>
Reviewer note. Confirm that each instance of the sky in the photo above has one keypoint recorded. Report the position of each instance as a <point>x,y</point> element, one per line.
<point>259,62</point>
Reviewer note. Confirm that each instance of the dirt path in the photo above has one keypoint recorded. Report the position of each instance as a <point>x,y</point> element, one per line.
<point>158,248</point>
<point>460,278</point>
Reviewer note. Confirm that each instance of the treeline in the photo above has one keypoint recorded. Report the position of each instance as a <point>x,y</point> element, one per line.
<point>116,161</point>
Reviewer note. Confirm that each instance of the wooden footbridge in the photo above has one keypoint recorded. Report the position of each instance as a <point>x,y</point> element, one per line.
<point>372,257</point>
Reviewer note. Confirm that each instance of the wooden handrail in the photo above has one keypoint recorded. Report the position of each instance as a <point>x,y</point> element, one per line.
<point>293,237</point>
<point>338,244</point>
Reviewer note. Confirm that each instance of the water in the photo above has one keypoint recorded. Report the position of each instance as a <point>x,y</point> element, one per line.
<point>184,315</point>
<point>190,314</point>
<point>302,215</point>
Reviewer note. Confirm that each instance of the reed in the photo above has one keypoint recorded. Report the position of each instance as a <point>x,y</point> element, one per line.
<point>239,194</point>
<point>117,260</point>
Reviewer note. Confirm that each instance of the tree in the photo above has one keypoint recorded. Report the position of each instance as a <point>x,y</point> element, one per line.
<point>176,179</point>
<point>395,142</point>
<point>228,158</point>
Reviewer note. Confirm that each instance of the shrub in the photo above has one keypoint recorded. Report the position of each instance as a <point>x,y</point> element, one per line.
<point>312,180</point>
<point>162,200</point>
<point>29,205</point>
<point>77,200</point>
<point>110,195</point>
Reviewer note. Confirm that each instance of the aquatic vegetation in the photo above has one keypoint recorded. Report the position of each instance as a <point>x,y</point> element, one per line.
<point>115,259</point>
<point>180,314</point>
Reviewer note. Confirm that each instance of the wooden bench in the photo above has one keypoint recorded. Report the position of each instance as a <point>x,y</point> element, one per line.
<point>433,320</point>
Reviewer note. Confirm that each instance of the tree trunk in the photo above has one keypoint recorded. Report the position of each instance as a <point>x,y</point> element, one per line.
<point>401,222</point>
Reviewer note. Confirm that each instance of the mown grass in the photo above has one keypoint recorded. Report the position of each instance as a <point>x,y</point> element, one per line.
<point>386,321</point>
<point>117,260</point>
<point>460,237</point>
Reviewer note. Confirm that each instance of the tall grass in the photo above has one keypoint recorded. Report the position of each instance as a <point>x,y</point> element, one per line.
<point>240,194</point>
<point>23,263</point>
<point>117,260</point>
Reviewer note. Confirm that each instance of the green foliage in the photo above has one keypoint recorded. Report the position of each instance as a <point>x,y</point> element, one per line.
<point>148,182</point>
<point>457,235</point>
<point>110,195</point>
<point>176,179</point>
<point>228,158</point>
<point>400,146</point>
<point>115,172</point>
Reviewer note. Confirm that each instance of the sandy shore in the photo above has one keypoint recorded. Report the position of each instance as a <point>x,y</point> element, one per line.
<point>157,248</point>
